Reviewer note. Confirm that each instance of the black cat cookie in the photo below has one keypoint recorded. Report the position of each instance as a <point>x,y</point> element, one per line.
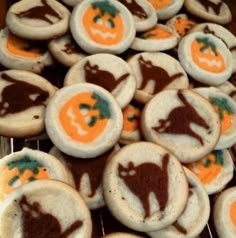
<point>145,187</point>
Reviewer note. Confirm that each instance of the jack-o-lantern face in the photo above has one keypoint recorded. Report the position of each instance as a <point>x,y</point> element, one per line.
<point>131,117</point>
<point>20,172</point>
<point>233,213</point>
<point>22,48</point>
<point>160,4</point>
<point>103,23</point>
<point>208,168</point>
<point>206,56</point>
<point>85,116</point>
<point>156,33</point>
<point>183,25</point>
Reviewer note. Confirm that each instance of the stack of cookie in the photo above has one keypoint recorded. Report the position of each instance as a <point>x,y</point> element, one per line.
<point>141,120</point>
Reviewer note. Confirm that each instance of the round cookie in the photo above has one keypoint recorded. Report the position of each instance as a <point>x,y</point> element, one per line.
<point>195,215</point>
<point>66,50</point>
<point>158,38</point>
<point>121,235</point>
<point>143,12</point>
<point>210,10</point>
<point>24,96</point>
<point>167,8</point>
<point>182,121</point>
<point>16,53</point>
<point>108,71</point>
<point>45,208</point>
<point>38,19</point>
<point>102,26</point>
<point>154,72</point>
<point>206,58</point>
<point>226,109</point>
<point>214,171</point>
<point>83,120</point>
<point>145,187</point>
<point>224,212</point>
<point>229,89</point>
<point>222,33</point>
<point>27,165</point>
<point>86,175</point>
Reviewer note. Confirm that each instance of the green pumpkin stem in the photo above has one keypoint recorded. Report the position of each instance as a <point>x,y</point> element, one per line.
<point>106,7</point>
<point>207,43</point>
<point>102,105</point>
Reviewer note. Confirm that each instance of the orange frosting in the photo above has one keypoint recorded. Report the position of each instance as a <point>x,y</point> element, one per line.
<point>160,4</point>
<point>182,25</point>
<point>157,33</point>
<point>233,213</point>
<point>131,117</point>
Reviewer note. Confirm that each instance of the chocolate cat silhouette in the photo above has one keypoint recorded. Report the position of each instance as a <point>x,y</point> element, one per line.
<point>37,224</point>
<point>102,78</point>
<point>208,4</point>
<point>20,95</point>
<point>40,12</point>
<point>135,9</point>
<point>146,178</point>
<point>156,73</point>
<point>179,120</point>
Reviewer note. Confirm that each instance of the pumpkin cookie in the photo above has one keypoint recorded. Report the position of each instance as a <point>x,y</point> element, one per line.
<point>224,213</point>
<point>222,33</point>
<point>144,14</point>
<point>226,109</point>
<point>102,26</point>
<point>206,58</point>
<point>66,50</point>
<point>145,187</point>
<point>38,19</point>
<point>16,53</point>
<point>83,120</point>
<point>108,71</point>
<point>24,96</point>
<point>166,9</point>
<point>87,175</point>
<point>195,215</point>
<point>26,166</point>
<point>210,10</point>
<point>215,170</point>
<point>182,121</point>
<point>45,208</point>
<point>155,72</point>
<point>121,235</point>
<point>158,38</point>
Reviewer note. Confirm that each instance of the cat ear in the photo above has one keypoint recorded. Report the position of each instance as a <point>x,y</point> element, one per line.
<point>130,165</point>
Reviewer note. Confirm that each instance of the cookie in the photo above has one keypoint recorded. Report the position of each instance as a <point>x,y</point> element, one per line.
<point>24,96</point>
<point>205,58</point>
<point>222,33</point>
<point>158,38</point>
<point>71,3</point>
<point>226,109</point>
<point>210,10</point>
<point>102,26</point>
<point>229,89</point>
<point>108,71</point>
<point>27,165</point>
<point>214,171</point>
<point>38,19</point>
<point>131,126</point>
<point>182,121</point>
<point>145,187</point>
<point>195,215</point>
<point>154,72</point>
<point>83,120</point>
<point>86,175</point>
<point>144,14</point>
<point>166,9</point>
<point>45,208</point>
<point>121,235</point>
<point>16,53</point>
<point>224,212</point>
<point>66,50</point>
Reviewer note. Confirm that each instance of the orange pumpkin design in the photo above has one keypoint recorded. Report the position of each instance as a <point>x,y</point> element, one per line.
<point>160,4</point>
<point>131,117</point>
<point>19,172</point>
<point>183,25</point>
<point>209,168</point>
<point>20,47</point>
<point>233,213</point>
<point>206,56</point>
<point>156,33</point>
<point>103,23</point>
<point>85,116</point>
